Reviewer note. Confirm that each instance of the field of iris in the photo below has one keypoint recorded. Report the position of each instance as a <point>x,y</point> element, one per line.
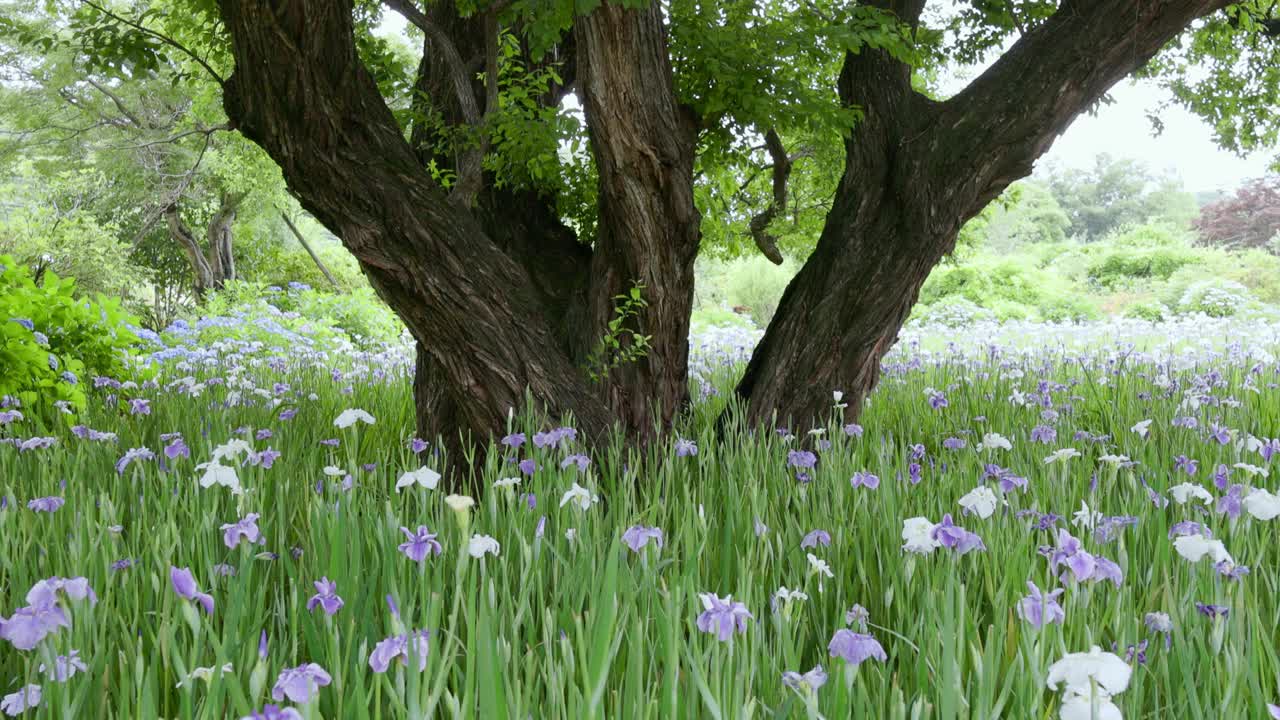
<point>251,530</point>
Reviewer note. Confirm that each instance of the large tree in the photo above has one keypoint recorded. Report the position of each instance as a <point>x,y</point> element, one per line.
<point>516,276</point>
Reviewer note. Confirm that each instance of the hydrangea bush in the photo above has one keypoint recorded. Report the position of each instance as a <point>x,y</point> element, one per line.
<point>51,341</point>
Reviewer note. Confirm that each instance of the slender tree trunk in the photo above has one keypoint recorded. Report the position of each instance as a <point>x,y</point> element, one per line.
<point>307,246</point>
<point>203,279</point>
<point>221,255</point>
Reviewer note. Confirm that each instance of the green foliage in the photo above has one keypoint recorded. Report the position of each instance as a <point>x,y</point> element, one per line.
<point>1123,267</point>
<point>1153,311</point>
<point>750,283</point>
<point>620,344</point>
<point>51,341</point>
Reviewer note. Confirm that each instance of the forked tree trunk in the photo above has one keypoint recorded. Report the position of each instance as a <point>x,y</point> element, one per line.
<point>503,300</point>
<point>214,268</point>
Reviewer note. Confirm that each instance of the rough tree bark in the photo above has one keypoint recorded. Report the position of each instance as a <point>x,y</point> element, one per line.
<point>643,143</point>
<point>915,171</point>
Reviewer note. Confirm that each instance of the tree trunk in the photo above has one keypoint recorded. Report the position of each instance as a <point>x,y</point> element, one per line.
<point>915,171</point>
<point>221,257</point>
<point>643,142</point>
<point>203,279</point>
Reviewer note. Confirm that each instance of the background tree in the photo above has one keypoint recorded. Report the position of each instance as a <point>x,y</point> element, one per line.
<point>1115,193</point>
<point>1250,218</point>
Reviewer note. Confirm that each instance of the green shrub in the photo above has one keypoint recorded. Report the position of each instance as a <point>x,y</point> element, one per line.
<point>719,317</point>
<point>1068,308</point>
<point>1010,310</point>
<point>1153,311</point>
<point>1124,267</point>
<point>52,342</point>
<point>757,284</point>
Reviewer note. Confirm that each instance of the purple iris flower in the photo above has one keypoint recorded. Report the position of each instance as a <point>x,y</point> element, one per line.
<point>46,504</point>
<point>1230,504</point>
<point>853,430</point>
<point>267,458</point>
<point>913,472</point>
<point>1040,608</point>
<point>417,445</point>
<point>396,648</point>
<point>801,459</point>
<point>246,529</point>
<point>952,536</point>
<point>139,406</point>
<point>816,538</point>
<point>1185,421</point>
<point>287,414</point>
<point>514,440</point>
<point>300,684</point>
<point>528,466</point>
<point>1043,434</point>
<point>1186,464</point>
<point>330,442</point>
<point>420,544</point>
<point>29,625</point>
<point>1221,476</point>
<point>1220,433</point>
<point>133,455</point>
<point>864,479</point>
<point>184,584</point>
<point>326,597</point>
<point>1108,529</point>
<point>582,461</point>
<point>637,536</point>
<point>954,443</point>
<point>1213,612</point>
<point>814,679</point>
<point>1189,527</point>
<point>855,648</point>
<point>1270,449</point>
<point>262,646</point>
<point>937,400</point>
<point>177,448</point>
<point>1231,571</point>
<point>721,616</point>
<point>685,448</point>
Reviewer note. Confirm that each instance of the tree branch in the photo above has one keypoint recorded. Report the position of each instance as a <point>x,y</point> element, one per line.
<point>470,160</point>
<point>197,131</point>
<point>162,38</point>
<point>759,225</point>
<point>996,127</point>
